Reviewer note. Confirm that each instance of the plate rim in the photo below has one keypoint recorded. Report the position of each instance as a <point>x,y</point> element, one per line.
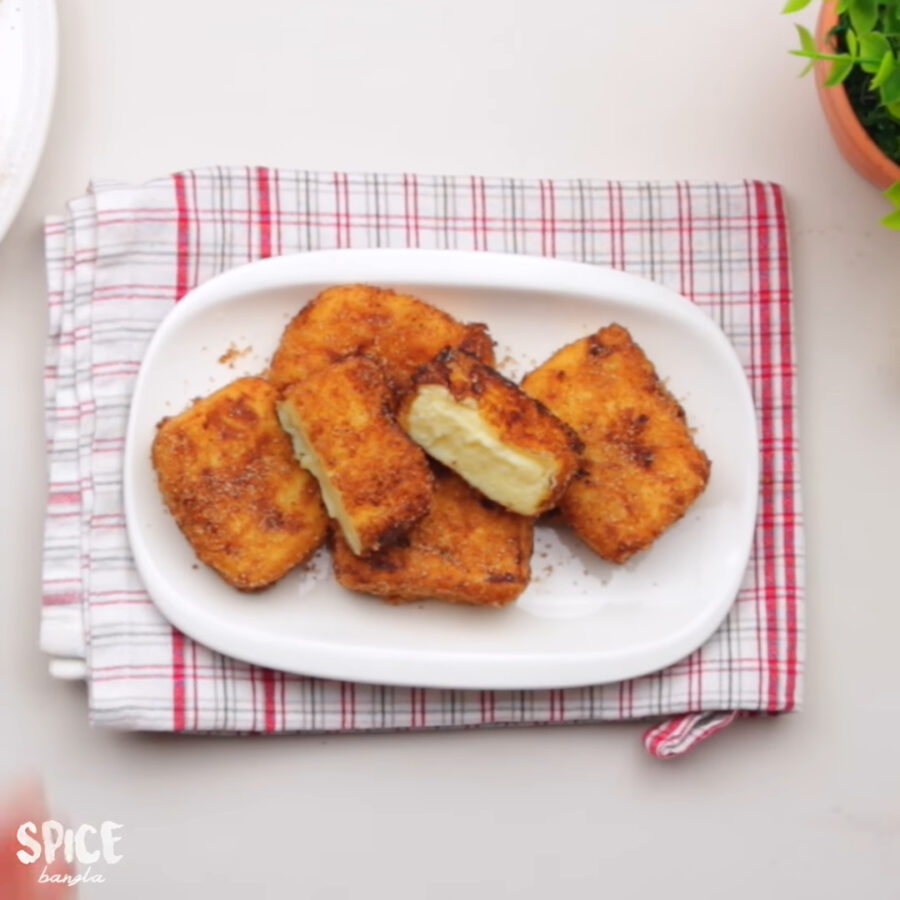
<point>438,668</point>
<point>41,45</point>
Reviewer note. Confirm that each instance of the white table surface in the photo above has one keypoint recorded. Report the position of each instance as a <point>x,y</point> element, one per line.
<point>805,806</point>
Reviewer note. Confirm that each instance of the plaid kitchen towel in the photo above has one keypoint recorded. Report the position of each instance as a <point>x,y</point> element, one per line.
<point>123,255</point>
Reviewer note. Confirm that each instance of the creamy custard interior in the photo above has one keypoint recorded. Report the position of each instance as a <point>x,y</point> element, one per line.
<point>454,433</point>
<point>307,458</point>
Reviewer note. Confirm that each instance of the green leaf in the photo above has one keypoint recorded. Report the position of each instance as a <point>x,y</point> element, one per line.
<point>892,220</point>
<point>863,15</point>
<point>793,6</point>
<point>840,69</point>
<point>872,46</point>
<point>892,194</point>
<point>894,111</point>
<point>890,89</point>
<point>888,63</point>
<point>853,42</point>
<point>807,41</point>
<point>841,7</point>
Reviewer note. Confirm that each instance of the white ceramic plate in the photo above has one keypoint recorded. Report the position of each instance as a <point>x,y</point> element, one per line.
<point>27,83</point>
<point>581,620</point>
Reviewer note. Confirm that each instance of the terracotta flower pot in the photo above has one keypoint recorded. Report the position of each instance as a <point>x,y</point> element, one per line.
<point>852,139</point>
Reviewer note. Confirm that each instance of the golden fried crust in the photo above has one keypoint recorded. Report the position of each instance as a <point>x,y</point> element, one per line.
<point>466,550</point>
<point>228,476</point>
<point>496,437</point>
<point>374,479</point>
<point>401,332</point>
<point>641,469</point>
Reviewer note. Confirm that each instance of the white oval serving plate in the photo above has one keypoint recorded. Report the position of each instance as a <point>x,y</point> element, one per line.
<point>581,620</point>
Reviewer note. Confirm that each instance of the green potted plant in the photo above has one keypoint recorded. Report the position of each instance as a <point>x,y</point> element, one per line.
<point>856,56</point>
